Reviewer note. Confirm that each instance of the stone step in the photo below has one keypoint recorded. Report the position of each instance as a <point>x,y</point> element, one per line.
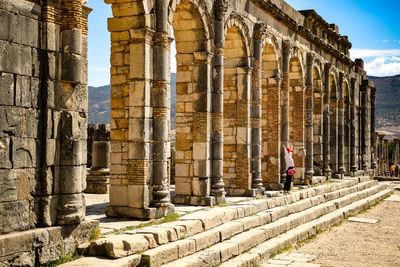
<point>260,253</point>
<point>196,227</point>
<point>244,241</point>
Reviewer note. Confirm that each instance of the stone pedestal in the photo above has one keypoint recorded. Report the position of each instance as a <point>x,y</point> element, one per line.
<point>98,179</point>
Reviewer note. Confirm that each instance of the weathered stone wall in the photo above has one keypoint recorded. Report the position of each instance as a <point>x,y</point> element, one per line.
<point>43,113</point>
<point>43,130</point>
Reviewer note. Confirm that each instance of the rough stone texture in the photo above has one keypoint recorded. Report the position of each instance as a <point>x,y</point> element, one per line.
<point>43,121</point>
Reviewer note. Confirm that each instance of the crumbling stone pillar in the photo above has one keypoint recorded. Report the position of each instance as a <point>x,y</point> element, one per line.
<point>98,179</point>
<point>366,124</point>
<point>217,137</point>
<point>286,53</point>
<point>256,110</point>
<point>309,163</point>
<point>373,132</point>
<point>381,155</point>
<point>326,122</point>
<point>72,119</point>
<point>341,130</point>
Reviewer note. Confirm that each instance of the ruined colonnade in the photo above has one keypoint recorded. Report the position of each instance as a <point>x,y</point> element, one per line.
<point>250,79</point>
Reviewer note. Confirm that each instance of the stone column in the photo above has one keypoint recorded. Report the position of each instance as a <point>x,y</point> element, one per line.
<point>326,123</point>
<point>99,175</point>
<point>217,137</point>
<point>255,109</point>
<point>341,130</point>
<point>381,155</point>
<point>309,120</point>
<point>366,125</point>
<point>161,109</point>
<point>286,52</point>
<point>386,156</point>
<point>353,128</point>
<point>71,142</point>
<point>373,132</point>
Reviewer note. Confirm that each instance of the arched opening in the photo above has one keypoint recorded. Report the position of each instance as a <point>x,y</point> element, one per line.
<point>297,115</point>
<point>317,122</point>
<point>333,120</point>
<point>236,118</point>
<point>270,167</point>
<point>192,153</point>
<point>347,126</point>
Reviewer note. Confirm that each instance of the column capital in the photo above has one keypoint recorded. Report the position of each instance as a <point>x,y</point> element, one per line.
<point>327,67</point>
<point>286,47</point>
<point>220,8</point>
<point>260,30</point>
<point>310,59</point>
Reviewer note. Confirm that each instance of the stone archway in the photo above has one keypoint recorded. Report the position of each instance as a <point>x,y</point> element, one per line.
<point>237,177</point>
<point>297,115</point>
<point>318,121</point>
<point>270,165</point>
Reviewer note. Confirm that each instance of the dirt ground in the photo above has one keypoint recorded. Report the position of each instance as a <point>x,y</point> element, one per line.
<point>361,244</point>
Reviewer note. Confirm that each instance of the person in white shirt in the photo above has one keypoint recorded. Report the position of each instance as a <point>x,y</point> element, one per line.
<point>290,170</point>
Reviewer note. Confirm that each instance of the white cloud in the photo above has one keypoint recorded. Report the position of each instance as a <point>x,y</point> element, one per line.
<point>383,66</point>
<point>385,41</point>
<point>364,53</point>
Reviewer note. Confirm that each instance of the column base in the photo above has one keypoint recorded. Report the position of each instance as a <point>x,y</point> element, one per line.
<point>273,186</point>
<point>98,182</point>
<point>256,192</point>
<point>140,213</point>
<point>195,200</point>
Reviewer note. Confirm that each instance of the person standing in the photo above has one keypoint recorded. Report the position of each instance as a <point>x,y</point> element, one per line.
<point>290,170</point>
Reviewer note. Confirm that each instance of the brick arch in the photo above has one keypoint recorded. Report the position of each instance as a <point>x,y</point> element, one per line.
<point>297,113</point>
<point>236,21</point>
<point>236,113</point>
<point>270,40</point>
<point>317,119</point>
<point>192,87</point>
<point>333,85</point>
<point>201,8</point>
<point>270,120</point>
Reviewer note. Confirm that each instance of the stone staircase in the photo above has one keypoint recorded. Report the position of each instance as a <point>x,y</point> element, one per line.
<point>243,234</point>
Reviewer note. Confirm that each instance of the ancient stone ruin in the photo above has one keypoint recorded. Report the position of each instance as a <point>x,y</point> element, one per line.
<point>252,76</point>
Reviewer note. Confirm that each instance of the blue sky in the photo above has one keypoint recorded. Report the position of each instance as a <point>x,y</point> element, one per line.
<point>372,26</point>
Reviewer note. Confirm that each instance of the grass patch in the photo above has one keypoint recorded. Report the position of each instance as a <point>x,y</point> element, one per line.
<point>63,259</point>
<point>96,234</point>
<point>168,218</point>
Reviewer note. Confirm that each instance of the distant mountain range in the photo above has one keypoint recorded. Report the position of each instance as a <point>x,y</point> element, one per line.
<point>99,102</point>
<point>387,102</point>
